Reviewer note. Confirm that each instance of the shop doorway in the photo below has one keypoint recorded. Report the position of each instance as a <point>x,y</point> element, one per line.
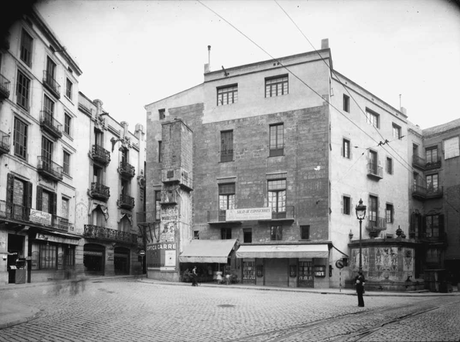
<point>16,261</point>
<point>306,278</point>
<point>121,260</point>
<point>276,272</point>
<point>93,259</point>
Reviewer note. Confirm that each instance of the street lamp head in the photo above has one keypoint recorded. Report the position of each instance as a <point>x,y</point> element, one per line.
<point>360,210</point>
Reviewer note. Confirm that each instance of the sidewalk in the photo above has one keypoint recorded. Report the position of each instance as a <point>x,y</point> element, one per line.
<point>12,313</point>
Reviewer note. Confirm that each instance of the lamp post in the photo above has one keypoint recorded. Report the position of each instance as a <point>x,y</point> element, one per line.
<point>360,214</point>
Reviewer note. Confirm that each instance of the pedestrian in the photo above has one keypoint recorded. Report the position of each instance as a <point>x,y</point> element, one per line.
<point>359,284</point>
<point>194,276</point>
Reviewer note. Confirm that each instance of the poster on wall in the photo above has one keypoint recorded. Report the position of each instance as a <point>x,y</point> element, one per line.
<point>161,256</point>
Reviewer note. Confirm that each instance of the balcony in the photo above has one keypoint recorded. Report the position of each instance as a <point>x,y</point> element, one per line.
<point>423,164</point>
<point>375,225</point>
<point>4,88</point>
<point>99,191</point>
<point>50,83</point>
<point>50,125</point>
<point>422,193</point>
<point>62,224</point>
<point>4,143</point>
<point>100,155</point>
<point>433,238</point>
<point>125,202</point>
<point>106,234</point>
<point>126,170</point>
<point>49,169</point>
<point>433,164</point>
<point>374,171</point>
<point>14,212</point>
<point>286,215</point>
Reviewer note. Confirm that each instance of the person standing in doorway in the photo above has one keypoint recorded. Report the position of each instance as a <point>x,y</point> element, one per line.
<point>359,284</point>
<point>194,276</point>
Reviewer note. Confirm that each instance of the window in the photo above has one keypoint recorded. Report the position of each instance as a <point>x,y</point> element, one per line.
<point>196,234</point>
<point>451,148</point>
<point>18,198</point>
<point>161,113</point>
<point>124,225</point>
<point>160,152</point>
<point>23,91</point>
<point>432,226</point>
<point>431,155</point>
<point>65,208</point>
<point>66,162</point>
<point>276,143</point>
<point>48,107</point>
<point>226,196</point>
<point>47,152</point>
<point>372,212</point>
<point>67,121</point>
<point>277,195</point>
<point>227,95</point>
<point>389,211</point>
<point>433,256</point>
<point>26,48</point>
<point>305,232</point>
<point>226,233</point>
<point>389,166</point>
<point>346,205</point>
<point>48,256</point>
<point>276,233</point>
<point>226,146</point>
<point>346,103</point>
<point>20,139</point>
<point>68,89</point>
<point>432,182</point>
<point>373,162</point>
<point>247,235</point>
<point>69,256</point>
<point>396,131</point>
<point>157,205</point>
<point>346,148</point>
<point>50,72</point>
<point>276,86</point>
<point>46,201</point>
<point>372,118</point>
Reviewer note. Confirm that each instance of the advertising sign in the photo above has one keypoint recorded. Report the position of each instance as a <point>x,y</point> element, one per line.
<point>248,214</point>
<point>40,217</point>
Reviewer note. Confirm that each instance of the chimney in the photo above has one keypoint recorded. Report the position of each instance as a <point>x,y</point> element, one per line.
<point>207,66</point>
<point>125,128</point>
<point>324,43</point>
<point>403,110</point>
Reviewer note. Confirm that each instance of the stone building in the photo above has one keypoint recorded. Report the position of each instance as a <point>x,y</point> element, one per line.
<point>283,150</point>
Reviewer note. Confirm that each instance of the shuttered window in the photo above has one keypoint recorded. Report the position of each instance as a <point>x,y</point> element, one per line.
<point>20,139</point>
<point>226,146</point>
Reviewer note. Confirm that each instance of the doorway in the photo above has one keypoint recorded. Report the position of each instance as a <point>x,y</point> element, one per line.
<point>15,253</point>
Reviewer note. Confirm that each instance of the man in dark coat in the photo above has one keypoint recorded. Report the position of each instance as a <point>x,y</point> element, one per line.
<point>359,284</point>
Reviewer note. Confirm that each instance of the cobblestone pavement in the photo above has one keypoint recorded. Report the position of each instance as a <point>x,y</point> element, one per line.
<point>129,310</point>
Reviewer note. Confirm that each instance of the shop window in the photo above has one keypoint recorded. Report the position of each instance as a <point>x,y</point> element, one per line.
<point>48,256</point>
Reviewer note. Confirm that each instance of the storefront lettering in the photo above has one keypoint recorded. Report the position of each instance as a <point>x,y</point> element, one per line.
<point>159,246</point>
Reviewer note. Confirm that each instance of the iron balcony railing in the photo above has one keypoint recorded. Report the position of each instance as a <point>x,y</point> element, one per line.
<point>4,143</point>
<point>4,87</point>
<point>99,191</point>
<point>287,213</point>
<point>126,170</point>
<point>374,171</point>
<point>51,83</point>
<point>102,233</point>
<point>49,169</point>
<point>125,201</point>
<point>433,164</point>
<point>440,236</point>
<point>423,193</point>
<point>13,211</point>
<point>100,154</point>
<point>50,124</point>
<point>375,225</point>
<point>418,162</point>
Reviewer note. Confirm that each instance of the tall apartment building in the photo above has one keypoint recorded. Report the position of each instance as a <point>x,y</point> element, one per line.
<point>283,150</point>
<point>72,177</point>
<point>38,111</point>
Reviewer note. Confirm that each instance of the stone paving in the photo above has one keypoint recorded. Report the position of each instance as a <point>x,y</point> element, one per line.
<point>129,310</point>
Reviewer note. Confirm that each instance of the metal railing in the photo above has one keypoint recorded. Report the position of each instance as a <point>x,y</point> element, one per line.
<point>48,122</point>
<point>51,83</point>
<point>102,233</point>
<point>4,142</point>
<point>422,192</point>
<point>4,87</point>
<point>374,170</point>
<point>99,190</point>
<point>100,154</point>
<point>125,201</point>
<point>49,169</point>
<point>126,170</point>
<point>418,161</point>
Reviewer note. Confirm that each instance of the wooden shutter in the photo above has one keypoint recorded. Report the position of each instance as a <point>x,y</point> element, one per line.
<point>422,227</point>
<point>441,225</point>
<point>28,199</point>
<point>9,188</point>
<point>39,203</point>
<point>53,203</point>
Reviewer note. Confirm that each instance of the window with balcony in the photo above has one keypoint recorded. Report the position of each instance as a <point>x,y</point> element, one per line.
<point>247,235</point>
<point>276,86</point>
<point>396,131</point>
<point>46,201</point>
<point>20,138</point>
<point>346,205</point>
<point>373,208</point>
<point>66,162</point>
<point>67,123</point>
<point>226,146</point>
<point>372,118</point>
<point>432,226</point>
<point>277,195</point>
<point>47,150</point>
<point>227,95</point>
<point>18,198</point>
<point>276,140</point>
<point>226,199</point>
<point>346,103</point>
<point>226,233</point>
<point>389,212</point>
<point>431,155</point>
<point>305,232</point>
<point>26,48</point>
<point>68,89</point>
<point>48,107</point>
<point>23,91</point>
<point>432,182</point>
<point>276,233</point>
<point>50,76</point>
<point>346,148</point>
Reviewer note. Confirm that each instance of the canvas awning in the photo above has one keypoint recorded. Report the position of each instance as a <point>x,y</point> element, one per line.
<point>283,251</point>
<point>204,251</point>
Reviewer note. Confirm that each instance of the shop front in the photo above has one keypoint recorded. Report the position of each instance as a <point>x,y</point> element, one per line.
<point>94,259</point>
<point>213,259</point>
<point>284,265</point>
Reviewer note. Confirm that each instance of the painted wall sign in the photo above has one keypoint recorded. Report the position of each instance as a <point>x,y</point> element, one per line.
<point>248,214</point>
<point>40,217</point>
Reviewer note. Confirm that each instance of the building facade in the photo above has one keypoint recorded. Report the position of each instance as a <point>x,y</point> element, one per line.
<point>283,150</point>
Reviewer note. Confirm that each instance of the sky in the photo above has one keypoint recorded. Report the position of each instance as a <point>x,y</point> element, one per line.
<point>132,53</point>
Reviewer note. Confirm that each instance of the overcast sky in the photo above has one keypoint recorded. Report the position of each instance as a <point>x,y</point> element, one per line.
<point>133,53</point>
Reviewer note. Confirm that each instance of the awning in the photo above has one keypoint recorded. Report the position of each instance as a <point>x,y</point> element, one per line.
<point>283,251</point>
<point>212,251</point>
